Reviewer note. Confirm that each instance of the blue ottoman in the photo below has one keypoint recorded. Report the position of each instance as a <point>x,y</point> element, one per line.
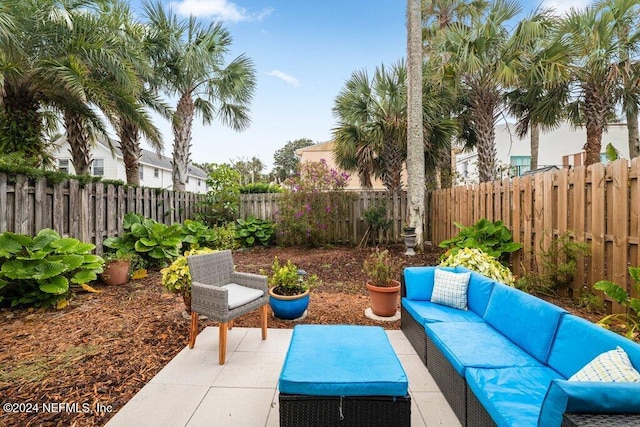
<point>342,375</point>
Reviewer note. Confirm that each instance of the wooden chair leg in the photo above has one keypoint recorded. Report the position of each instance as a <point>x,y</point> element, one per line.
<point>222,342</point>
<point>263,321</point>
<point>193,329</point>
<point>230,324</point>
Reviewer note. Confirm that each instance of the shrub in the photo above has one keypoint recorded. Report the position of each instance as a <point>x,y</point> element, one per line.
<point>253,231</point>
<point>222,201</point>
<point>380,268</point>
<point>225,237</point>
<point>493,238</point>
<point>629,319</point>
<point>38,271</point>
<point>314,201</point>
<point>285,280</point>
<point>376,217</point>
<point>176,278</point>
<point>260,188</point>
<point>477,260</point>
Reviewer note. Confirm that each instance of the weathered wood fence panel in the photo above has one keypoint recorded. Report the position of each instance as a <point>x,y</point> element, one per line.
<point>90,213</point>
<point>598,205</point>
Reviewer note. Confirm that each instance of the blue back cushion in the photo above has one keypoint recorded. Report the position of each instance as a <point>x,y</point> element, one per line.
<point>419,282</point>
<point>579,341</point>
<point>480,288</point>
<point>528,321</point>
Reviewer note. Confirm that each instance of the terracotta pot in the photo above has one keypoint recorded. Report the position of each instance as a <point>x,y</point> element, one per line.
<point>288,307</point>
<point>384,299</point>
<point>116,272</point>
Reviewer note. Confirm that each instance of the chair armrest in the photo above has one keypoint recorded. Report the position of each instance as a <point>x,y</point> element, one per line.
<point>588,397</point>
<point>250,280</point>
<point>204,297</point>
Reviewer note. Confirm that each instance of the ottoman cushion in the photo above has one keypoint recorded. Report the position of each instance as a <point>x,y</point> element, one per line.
<point>342,360</point>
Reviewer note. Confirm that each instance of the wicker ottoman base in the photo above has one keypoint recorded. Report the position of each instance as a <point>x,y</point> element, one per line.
<point>301,411</point>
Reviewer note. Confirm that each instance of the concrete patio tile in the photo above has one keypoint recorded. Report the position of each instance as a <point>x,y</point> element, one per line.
<point>277,341</point>
<point>207,339</point>
<point>160,405</point>
<point>419,377</point>
<point>245,369</point>
<point>274,413</point>
<point>416,416</point>
<point>434,409</point>
<point>190,367</point>
<point>399,342</point>
<point>233,407</point>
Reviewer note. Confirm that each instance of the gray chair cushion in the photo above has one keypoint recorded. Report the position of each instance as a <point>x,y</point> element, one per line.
<point>241,295</point>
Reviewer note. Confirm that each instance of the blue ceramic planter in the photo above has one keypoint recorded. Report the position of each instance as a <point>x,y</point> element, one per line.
<point>288,307</point>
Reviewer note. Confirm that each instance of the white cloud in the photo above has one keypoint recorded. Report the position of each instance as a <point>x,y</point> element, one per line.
<point>286,77</point>
<point>562,6</point>
<point>223,10</point>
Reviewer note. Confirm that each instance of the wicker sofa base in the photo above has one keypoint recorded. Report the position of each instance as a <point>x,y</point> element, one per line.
<point>303,410</point>
<point>477,415</point>
<point>415,334</point>
<point>451,384</point>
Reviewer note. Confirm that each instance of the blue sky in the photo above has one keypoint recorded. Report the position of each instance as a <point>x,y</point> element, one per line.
<point>304,51</point>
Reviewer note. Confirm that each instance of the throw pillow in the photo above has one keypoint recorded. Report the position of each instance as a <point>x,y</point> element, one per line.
<point>450,289</point>
<point>612,365</point>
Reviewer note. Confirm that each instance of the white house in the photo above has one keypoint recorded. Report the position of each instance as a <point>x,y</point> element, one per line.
<point>155,171</point>
<point>561,147</point>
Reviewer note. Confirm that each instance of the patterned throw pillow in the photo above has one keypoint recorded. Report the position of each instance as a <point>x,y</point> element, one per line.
<point>612,365</point>
<point>450,289</point>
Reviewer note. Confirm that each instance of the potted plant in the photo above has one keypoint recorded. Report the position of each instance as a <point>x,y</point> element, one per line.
<point>176,278</point>
<point>384,290</point>
<point>289,290</point>
<point>117,266</point>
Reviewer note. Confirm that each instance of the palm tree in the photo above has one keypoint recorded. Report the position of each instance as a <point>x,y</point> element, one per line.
<point>191,67</point>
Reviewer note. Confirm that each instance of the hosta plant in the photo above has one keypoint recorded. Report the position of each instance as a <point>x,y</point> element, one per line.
<point>493,238</point>
<point>196,234</point>
<point>38,271</point>
<point>477,260</point>
<point>628,319</point>
<point>253,231</point>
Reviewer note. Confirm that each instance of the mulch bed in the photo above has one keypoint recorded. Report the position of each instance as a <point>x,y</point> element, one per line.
<point>85,362</point>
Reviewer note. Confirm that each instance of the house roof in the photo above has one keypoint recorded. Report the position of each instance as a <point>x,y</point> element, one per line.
<point>322,146</point>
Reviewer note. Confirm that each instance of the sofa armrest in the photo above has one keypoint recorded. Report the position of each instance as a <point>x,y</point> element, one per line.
<point>418,282</point>
<point>588,397</point>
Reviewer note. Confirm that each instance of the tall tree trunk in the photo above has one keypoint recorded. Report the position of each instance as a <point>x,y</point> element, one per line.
<point>392,165</point>
<point>483,106</point>
<point>596,106</point>
<point>21,128</point>
<point>634,137</point>
<point>182,125</point>
<point>534,129</point>
<point>129,135</point>
<point>594,143</point>
<point>79,145</point>
<point>415,131</point>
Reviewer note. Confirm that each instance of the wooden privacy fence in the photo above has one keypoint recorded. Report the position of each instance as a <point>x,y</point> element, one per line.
<point>89,213</point>
<point>350,229</point>
<point>599,205</point>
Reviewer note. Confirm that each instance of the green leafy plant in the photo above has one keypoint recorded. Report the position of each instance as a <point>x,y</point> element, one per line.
<point>225,237</point>
<point>380,268</point>
<point>629,319</point>
<point>156,243</point>
<point>285,280</point>
<point>376,217</point>
<point>38,271</point>
<point>477,260</point>
<point>493,238</point>
<point>222,201</point>
<point>260,188</point>
<point>176,278</point>
<point>252,231</point>
<point>196,234</point>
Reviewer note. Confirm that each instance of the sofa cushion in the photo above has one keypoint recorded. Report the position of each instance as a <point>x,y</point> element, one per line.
<point>528,321</point>
<point>579,341</point>
<point>419,282</point>
<point>450,289</point>
<point>428,312</point>
<point>240,295</point>
<point>512,396</point>
<point>477,345</point>
<point>586,396</point>
<point>479,291</point>
<point>610,366</point>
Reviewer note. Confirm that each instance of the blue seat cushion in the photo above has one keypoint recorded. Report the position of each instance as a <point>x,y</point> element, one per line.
<point>342,360</point>
<point>428,312</point>
<point>419,282</point>
<point>477,345</point>
<point>579,341</point>
<point>528,321</point>
<point>512,396</point>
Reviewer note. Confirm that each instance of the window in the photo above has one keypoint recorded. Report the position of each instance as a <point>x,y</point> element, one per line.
<point>520,165</point>
<point>63,165</point>
<point>97,167</point>
<point>187,179</point>
<point>156,172</point>
<point>141,172</point>
<point>199,183</point>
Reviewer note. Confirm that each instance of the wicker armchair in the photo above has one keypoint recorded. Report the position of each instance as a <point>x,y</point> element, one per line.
<point>222,294</point>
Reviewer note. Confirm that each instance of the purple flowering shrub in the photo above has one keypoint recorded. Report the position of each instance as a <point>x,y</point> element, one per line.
<point>312,203</point>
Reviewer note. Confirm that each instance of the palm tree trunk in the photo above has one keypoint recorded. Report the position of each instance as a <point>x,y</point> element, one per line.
<point>129,135</point>
<point>594,143</point>
<point>596,106</point>
<point>483,111</point>
<point>79,144</point>
<point>392,168</point>
<point>535,144</point>
<point>415,131</point>
<point>634,137</point>
<point>182,125</point>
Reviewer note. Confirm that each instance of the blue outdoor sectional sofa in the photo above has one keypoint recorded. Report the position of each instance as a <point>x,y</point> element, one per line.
<point>506,359</point>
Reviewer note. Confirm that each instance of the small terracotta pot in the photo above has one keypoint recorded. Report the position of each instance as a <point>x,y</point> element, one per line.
<point>384,299</point>
<point>116,272</point>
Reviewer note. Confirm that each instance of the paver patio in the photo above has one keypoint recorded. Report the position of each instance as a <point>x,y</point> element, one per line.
<point>194,390</point>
